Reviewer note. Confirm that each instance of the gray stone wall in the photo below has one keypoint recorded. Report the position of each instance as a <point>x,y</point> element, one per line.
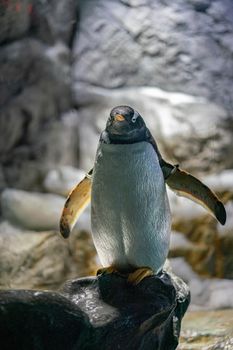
<point>181,45</point>
<point>37,128</point>
<point>56,55</point>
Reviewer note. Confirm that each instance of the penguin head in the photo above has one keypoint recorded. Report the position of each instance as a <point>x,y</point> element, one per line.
<point>125,125</point>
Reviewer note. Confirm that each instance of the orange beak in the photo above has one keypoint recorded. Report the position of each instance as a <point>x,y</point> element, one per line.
<point>119,118</point>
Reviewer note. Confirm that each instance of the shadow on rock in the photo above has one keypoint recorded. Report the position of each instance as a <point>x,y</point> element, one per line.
<point>40,320</point>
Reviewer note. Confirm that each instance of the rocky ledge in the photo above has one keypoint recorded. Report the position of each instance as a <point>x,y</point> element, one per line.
<point>102,312</point>
<point>207,330</point>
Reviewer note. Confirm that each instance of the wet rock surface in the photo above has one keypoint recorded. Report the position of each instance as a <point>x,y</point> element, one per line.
<point>96,313</point>
<point>41,320</point>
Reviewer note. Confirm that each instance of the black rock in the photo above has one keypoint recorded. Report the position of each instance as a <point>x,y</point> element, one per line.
<point>38,320</point>
<point>102,312</point>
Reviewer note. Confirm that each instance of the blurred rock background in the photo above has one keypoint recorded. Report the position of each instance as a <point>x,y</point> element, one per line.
<point>63,65</point>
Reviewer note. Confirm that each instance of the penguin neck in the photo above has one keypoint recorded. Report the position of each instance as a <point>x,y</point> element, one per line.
<point>125,148</point>
<point>133,137</point>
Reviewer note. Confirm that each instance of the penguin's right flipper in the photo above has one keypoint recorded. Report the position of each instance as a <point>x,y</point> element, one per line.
<point>186,185</point>
<point>75,204</point>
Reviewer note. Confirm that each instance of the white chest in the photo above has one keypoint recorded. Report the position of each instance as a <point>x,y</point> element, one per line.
<point>130,210</point>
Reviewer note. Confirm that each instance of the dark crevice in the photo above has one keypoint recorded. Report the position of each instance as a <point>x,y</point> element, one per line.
<point>25,127</point>
<point>75,27</point>
<point>201,6</point>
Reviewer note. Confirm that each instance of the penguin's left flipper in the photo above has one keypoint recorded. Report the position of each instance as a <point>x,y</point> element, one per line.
<point>186,185</point>
<point>75,204</point>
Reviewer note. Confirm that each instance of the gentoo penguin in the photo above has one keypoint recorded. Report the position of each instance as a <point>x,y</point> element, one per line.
<point>130,214</point>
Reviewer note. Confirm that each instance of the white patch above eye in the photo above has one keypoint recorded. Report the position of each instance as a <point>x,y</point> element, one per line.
<point>134,118</point>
